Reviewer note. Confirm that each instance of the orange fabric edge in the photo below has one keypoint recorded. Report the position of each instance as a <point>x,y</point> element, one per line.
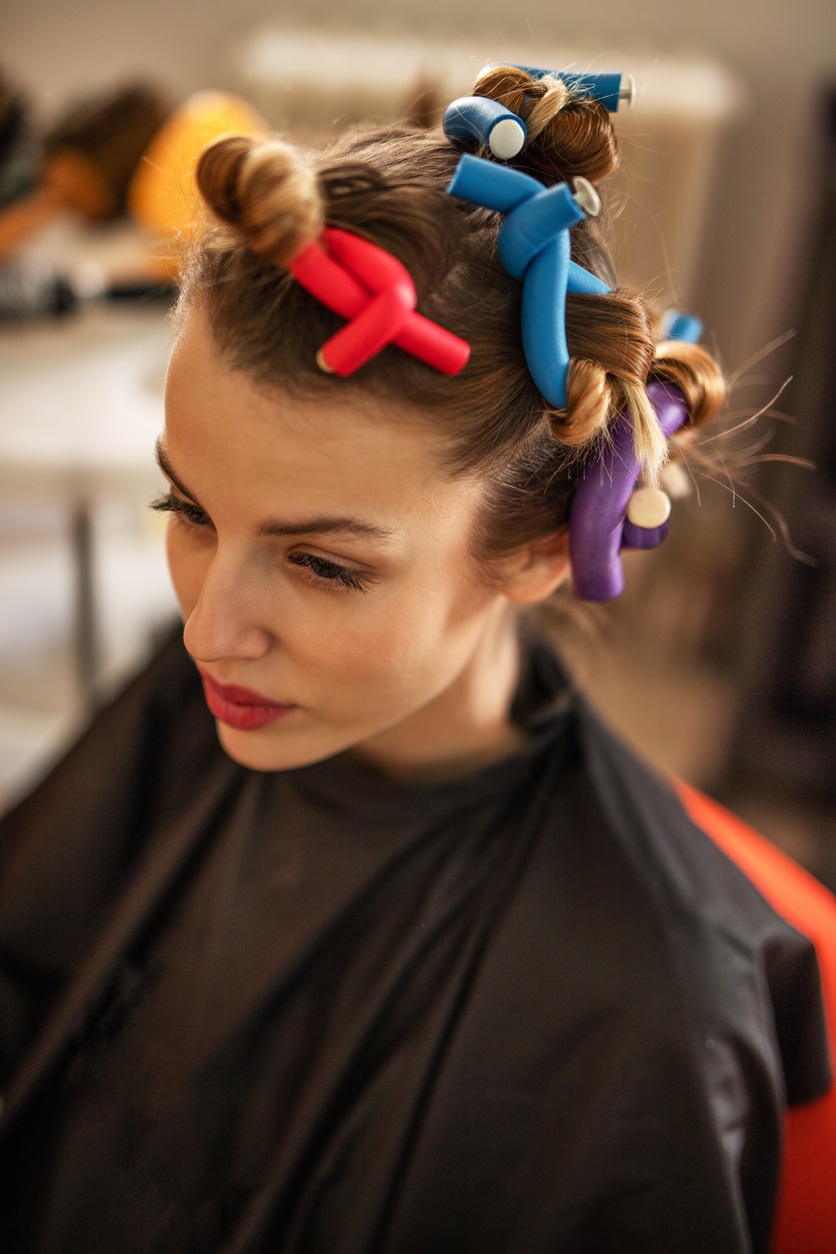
<point>806,1220</point>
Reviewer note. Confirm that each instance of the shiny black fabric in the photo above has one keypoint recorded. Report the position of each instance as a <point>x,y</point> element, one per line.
<point>320,1012</point>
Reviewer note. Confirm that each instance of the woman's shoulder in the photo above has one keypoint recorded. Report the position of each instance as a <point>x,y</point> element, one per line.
<point>663,841</point>
<point>156,725</point>
<point>666,846</point>
<point>67,847</point>
<point>724,903</point>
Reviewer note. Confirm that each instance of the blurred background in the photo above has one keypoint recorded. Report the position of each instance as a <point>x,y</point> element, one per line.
<point>719,662</point>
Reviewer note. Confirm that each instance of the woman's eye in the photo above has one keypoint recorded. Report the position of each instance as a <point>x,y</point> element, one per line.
<point>187,513</point>
<point>326,574</point>
<point>319,571</point>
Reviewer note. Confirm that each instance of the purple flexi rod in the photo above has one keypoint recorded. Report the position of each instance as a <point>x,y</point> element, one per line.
<point>599,507</point>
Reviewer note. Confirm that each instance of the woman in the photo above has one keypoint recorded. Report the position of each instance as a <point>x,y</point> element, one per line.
<point>418,957</point>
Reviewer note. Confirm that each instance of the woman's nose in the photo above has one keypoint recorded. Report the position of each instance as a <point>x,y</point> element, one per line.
<point>227,620</point>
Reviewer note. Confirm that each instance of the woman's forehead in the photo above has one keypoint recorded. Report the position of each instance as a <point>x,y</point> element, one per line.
<point>220,424</point>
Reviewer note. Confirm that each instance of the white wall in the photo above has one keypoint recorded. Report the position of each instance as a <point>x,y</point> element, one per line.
<point>782,53</point>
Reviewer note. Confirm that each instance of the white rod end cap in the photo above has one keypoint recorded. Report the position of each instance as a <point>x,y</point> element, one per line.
<point>506,139</point>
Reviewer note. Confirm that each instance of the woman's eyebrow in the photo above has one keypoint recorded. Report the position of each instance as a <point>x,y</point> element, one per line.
<point>320,524</point>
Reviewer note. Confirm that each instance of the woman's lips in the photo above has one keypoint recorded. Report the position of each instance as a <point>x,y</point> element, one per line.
<point>241,708</point>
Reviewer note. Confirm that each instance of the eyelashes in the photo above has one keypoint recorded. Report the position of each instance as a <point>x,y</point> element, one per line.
<point>185,510</point>
<point>325,572</point>
<point>320,572</point>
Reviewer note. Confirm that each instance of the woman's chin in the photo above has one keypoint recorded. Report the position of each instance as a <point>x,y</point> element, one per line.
<point>261,751</point>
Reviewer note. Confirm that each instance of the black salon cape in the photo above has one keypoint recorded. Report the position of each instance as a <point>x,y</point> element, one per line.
<point>533,1011</point>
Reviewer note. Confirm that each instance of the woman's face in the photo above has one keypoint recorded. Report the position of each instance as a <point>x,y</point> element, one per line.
<point>322,565</point>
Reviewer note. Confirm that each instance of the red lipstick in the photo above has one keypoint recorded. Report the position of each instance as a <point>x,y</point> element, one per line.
<point>241,708</point>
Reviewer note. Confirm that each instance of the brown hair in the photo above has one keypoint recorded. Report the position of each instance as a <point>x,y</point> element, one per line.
<point>389,186</point>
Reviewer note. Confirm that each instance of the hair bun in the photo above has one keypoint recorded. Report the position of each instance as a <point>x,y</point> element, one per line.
<point>569,135</point>
<point>264,189</point>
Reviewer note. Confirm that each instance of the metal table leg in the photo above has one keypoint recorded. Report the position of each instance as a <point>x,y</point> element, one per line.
<point>86,646</point>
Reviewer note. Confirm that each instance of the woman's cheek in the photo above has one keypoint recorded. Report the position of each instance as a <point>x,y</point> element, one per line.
<point>346,635</point>
<point>384,644</point>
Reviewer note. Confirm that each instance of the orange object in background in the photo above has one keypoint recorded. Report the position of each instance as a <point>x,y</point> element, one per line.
<point>163,195</point>
<point>806,1219</point>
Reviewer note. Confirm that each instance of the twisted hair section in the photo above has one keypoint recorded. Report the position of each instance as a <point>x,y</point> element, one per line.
<point>697,375</point>
<point>569,134</point>
<point>611,340</point>
<point>390,187</point>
